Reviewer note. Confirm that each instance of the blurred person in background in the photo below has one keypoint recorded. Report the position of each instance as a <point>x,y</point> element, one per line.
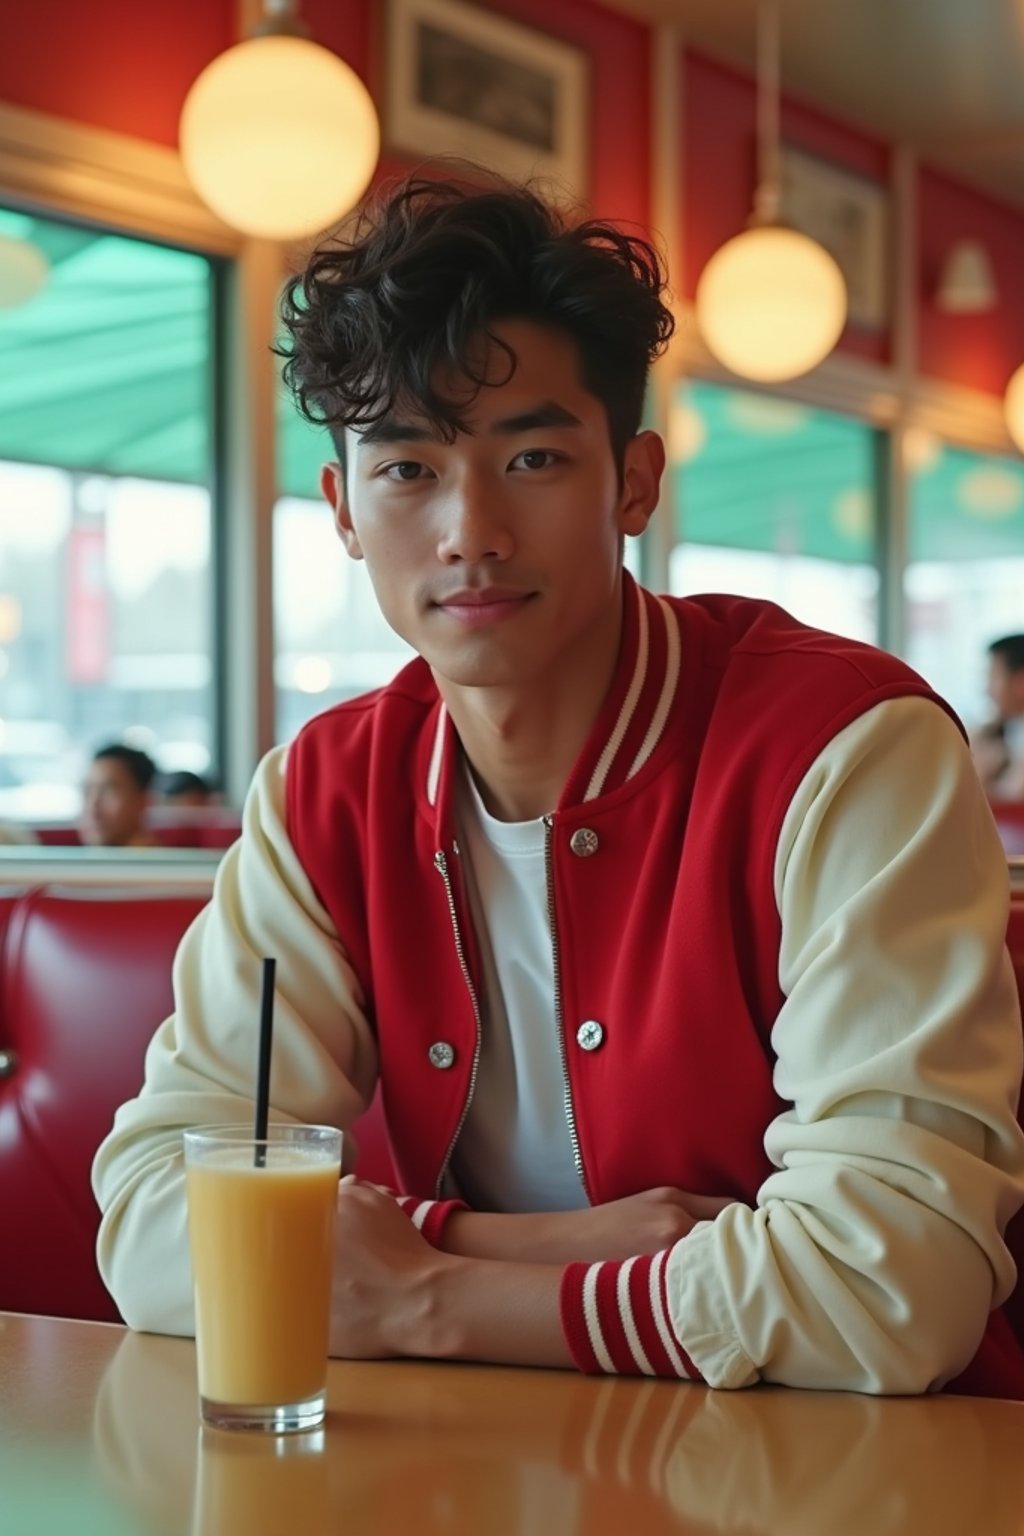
<point>115,798</point>
<point>187,791</point>
<point>998,746</point>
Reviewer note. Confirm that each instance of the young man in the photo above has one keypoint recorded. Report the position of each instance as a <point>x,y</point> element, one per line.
<point>673,930</point>
<point>115,798</point>
<point>186,791</point>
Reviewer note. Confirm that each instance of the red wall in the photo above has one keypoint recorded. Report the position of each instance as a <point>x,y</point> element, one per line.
<point>127,65</point>
<point>119,64</point>
<point>979,350</point>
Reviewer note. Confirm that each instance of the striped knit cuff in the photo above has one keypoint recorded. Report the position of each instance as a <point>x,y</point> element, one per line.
<point>615,1319</point>
<point>429,1216</point>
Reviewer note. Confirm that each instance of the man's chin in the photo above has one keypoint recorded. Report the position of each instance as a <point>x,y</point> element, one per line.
<point>478,672</point>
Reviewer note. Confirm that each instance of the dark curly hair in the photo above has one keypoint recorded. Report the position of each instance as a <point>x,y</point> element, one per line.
<point>384,311</point>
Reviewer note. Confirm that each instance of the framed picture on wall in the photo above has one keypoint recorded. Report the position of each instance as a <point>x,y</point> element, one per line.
<point>460,80</point>
<point>849,215</point>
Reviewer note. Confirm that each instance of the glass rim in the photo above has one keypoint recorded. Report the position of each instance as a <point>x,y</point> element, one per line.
<point>242,1134</point>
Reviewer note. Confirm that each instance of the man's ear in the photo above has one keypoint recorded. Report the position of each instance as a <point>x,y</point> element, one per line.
<point>332,486</point>
<point>642,468</point>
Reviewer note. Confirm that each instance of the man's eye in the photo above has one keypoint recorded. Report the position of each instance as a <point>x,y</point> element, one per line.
<point>405,469</point>
<point>533,458</point>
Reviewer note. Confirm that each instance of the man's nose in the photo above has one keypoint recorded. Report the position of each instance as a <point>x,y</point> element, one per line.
<point>475,524</point>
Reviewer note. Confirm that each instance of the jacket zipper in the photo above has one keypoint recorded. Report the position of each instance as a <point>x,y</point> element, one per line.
<point>441,865</point>
<point>570,1115</point>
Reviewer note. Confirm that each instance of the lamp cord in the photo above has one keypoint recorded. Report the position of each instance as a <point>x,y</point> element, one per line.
<point>769,189</point>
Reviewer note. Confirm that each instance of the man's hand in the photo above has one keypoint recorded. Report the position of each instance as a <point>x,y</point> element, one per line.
<point>396,1295</point>
<point>643,1223</point>
<point>384,1272</point>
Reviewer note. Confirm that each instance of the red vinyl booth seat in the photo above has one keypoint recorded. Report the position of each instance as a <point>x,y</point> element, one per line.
<point>85,979</point>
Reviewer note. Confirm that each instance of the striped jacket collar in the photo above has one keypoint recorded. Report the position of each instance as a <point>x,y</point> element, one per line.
<point>632,720</point>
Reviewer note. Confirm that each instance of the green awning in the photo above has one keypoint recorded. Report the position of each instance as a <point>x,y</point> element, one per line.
<point>107,368</point>
<point>758,472</point>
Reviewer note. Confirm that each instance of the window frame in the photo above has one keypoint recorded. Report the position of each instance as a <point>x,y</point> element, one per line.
<point>106,180</point>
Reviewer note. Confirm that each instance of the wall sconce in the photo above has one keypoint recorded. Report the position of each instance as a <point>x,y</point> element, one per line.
<point>279,136</point>
<point>771,302</point>
<point>967,283</point>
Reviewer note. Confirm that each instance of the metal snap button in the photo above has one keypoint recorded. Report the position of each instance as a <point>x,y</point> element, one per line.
<point>583,842</point>
<point>590,1035</point>
<point>441,1055</point>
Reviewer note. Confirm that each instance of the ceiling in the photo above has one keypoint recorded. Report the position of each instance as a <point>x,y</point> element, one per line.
<point>944,75</point>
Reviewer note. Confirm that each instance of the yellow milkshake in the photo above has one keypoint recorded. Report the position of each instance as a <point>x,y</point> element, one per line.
<point>261,1241</point>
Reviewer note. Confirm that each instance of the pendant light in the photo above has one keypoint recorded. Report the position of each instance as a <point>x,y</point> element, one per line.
<point>1013,406</point>
<point>279,136</point>
<point>771,303</point>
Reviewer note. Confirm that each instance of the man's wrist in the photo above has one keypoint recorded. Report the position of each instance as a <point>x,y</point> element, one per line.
<point>429,1323</point>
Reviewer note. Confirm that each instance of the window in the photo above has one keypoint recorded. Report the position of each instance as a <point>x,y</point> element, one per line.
<point>964,581</point>
<point>331,641</point>
<point>775,500</point>
<point>106,590</point>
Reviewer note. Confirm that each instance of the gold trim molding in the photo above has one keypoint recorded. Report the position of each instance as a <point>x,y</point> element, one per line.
<point>55,165</point>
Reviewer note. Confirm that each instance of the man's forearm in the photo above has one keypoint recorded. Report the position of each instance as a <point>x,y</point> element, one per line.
<point>541,1238</point>
<point>506,1313</point>
<point>641,1223</point>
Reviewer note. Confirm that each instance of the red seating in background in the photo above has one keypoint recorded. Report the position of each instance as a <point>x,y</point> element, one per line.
<point>1009,820</point>
<point>57,837</point>
<point>216,829</point>
<point>85,979</point>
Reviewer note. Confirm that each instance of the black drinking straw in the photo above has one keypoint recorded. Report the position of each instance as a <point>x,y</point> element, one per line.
<point>263,1076</point>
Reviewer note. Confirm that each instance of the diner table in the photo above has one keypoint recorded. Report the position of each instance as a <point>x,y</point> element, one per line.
<point>100,1436</point>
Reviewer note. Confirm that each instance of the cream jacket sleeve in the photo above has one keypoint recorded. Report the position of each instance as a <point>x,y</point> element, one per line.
<point>201,1063</point>
<point>874,1254</point>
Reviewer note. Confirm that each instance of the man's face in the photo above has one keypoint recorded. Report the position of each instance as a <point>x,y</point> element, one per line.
<point>1005,689</point>
<point>113,805</point>
<point>498,556</point>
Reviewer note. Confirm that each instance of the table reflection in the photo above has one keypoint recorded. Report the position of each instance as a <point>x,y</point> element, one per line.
<point>445,1449</point>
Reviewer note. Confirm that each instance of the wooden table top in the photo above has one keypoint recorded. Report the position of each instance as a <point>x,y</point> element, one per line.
<point>100,1436</point>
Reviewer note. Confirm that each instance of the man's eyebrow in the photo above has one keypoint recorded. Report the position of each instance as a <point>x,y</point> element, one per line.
<point>390,430</point>
<point>550,414</point>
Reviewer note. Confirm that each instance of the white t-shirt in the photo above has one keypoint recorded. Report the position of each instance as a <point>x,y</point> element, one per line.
<point>514,1151</point>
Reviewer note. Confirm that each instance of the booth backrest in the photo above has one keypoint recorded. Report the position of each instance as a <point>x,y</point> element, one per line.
<point>217,827</point>
<point>85,978</point>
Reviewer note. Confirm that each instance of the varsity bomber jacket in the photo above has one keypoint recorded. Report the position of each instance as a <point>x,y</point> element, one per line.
<point>775,888</point>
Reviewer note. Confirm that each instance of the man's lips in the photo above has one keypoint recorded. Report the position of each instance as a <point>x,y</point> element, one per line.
<point>484,605</point>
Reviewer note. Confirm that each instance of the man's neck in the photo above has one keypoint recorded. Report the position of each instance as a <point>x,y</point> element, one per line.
<point>522,742</point>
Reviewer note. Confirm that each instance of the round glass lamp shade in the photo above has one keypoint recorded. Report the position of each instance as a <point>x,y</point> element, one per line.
<point>279,137</point>
<point>1014,407</point>
<point>23,271</point>
<point>771,303</point>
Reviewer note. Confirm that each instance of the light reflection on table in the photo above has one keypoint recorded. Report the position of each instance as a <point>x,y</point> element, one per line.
<point>101,1424</point>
